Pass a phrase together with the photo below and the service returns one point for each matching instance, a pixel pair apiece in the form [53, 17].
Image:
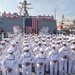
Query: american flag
[31, 25]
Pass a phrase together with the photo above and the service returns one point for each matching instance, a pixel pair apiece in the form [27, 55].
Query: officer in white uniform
[10, 63]
[64, 56]
[54, 59]
[26, 61]
[40, 61]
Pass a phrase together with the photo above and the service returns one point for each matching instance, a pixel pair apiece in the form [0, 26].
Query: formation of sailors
[53, 53]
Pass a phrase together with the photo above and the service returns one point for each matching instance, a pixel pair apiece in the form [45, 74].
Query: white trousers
[13, 72]
[40, 70]
[27, 70]
[53, 68]
[63, 67]
[70, 67]
[47, 66]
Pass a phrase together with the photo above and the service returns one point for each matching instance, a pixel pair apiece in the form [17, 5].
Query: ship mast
[23, 8]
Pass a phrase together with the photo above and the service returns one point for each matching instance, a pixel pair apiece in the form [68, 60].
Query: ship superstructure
[28, 23]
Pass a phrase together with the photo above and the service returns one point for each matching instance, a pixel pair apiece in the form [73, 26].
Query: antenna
[24, 9]
[55, 14]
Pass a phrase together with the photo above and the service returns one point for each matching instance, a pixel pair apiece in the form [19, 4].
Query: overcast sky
[42, 7]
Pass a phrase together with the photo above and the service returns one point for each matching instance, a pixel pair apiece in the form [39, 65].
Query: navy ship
[29, 24]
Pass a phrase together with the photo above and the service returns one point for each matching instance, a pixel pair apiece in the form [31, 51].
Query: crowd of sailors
[45, 53]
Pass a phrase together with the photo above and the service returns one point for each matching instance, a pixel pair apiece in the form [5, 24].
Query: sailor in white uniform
[40, 61]
[3, 46]
[1, 60]
[10, 63]
[26, 61]
[64, 56]
[2, 36]
[71, 68]
[54, 59]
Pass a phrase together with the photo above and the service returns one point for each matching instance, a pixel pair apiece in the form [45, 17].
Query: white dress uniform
[37, 49]
[58, 45]
[10, 64]
[47, 51]
[71, 68]
[3, 46]
[26, 60]
[54, 59]
[2, 36]
[64, 56]
[40, 61]
[1, 60]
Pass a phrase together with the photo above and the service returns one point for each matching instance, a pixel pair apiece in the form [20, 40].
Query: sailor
[37, 49]
[3, 46]
[2, 35]
[18, 51]
[63, 61]
[69, 43]
[54, 59]
[26, 61]
[46, 50]
[58, 45]
[6, 41]
[1, 60]
[10, 63]
[71, 68]
[40, 61]
[73, 42]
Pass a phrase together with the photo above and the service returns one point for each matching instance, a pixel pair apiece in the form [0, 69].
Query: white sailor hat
[58, 41]
[44, 43]
[26, 49]
[2, 41]
[41, 50]
[26, 44]
[63, 42]
[11, 36]
[72, 41]
[53, 42]
[39, 42]
[36, 39]
[6, 39]
[25, 38]
[25, 41]
[48, 36]
[68, 40]
[10, 50]
[13, 43]
[53, 45]
[72, 47]
[43, 38]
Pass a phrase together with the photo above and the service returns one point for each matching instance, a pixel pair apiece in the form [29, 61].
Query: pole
[55, 14]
